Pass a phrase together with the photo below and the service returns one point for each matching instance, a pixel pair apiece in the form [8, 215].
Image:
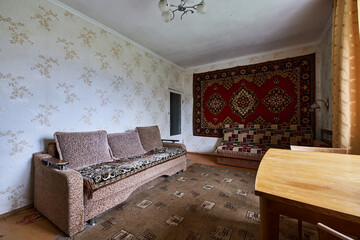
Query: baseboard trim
[15, 211]
[203, 154]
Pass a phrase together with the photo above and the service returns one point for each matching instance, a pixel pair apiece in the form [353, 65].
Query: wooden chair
[326, 233]
[315, 149]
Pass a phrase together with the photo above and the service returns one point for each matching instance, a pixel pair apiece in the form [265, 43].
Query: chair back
[326, 233]
[319, 149]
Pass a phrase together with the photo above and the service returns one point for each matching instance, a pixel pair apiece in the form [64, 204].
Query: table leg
[269, 221]
[300, 229]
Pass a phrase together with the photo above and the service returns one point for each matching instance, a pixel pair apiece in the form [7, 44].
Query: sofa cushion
[124, 145]
[83, 149]
[100, 175]
[150, 137]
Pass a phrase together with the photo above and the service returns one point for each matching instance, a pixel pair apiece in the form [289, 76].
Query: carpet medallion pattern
[204, 202]
[275, 92]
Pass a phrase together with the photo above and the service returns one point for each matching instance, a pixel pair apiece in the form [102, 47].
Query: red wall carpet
[276, 92]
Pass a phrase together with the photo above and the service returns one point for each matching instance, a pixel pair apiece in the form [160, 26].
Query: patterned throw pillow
[124, 145]
[83, 149]
[150, 137]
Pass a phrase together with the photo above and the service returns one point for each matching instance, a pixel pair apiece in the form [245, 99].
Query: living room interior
[79, 66]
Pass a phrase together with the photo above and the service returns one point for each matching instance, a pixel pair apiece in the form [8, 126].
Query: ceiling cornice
[311, 44]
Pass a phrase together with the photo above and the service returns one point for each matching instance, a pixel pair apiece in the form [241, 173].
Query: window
[175, 113]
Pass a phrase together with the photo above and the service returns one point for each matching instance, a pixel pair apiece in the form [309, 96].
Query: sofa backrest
[150, 137]
[271, 135]
[83, 149]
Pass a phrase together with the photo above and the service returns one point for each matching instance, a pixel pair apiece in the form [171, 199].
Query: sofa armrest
[52, 161]
[58, 195]
[176, 145]
[52, 150]
[170, 140]
[319, 143]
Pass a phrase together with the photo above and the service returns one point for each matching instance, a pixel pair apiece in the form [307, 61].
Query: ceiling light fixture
[168, 14]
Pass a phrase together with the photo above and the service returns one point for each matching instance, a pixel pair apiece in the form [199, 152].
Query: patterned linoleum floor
[27, 224]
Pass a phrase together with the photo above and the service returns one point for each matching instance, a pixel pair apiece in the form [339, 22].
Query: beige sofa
[61, 195]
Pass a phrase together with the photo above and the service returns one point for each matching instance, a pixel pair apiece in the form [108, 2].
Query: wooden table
[310, 186]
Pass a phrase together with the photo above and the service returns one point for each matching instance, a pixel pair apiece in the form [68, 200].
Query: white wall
[61, 72]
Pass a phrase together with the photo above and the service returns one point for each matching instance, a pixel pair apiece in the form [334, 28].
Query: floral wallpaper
[59, 72]
[325, 48]
[209, 144]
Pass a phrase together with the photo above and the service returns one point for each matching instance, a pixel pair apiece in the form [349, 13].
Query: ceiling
[230, 28]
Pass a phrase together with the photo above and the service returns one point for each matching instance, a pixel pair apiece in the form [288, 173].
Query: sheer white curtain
[346, 75]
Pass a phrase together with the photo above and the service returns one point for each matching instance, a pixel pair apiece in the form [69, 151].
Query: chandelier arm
[186, 12]
[183, 5]
[182, 15]
[193, 7]
[173, 13]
